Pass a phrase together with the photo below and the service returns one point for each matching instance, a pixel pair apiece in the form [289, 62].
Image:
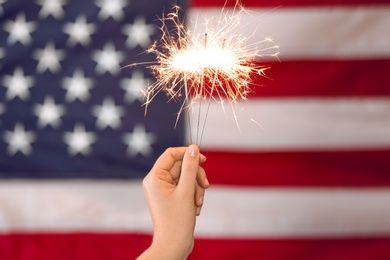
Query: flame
[215, 65]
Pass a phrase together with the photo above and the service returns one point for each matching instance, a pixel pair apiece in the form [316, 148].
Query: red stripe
[330, 168]
[302, 249]
[129, 246]
[283, 3]
[324, 78]
[72, 246]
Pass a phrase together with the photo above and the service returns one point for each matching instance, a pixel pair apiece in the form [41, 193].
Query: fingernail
[193, 151]
[207, 181]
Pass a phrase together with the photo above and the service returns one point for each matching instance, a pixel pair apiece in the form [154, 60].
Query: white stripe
[73, 205]
[234, 212]
[294, 124]
[310, 33]
[119, 206]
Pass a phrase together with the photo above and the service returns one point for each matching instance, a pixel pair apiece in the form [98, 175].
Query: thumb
[189, 170]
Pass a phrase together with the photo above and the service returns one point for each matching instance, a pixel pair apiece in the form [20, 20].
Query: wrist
[171, 248]
[165, 250]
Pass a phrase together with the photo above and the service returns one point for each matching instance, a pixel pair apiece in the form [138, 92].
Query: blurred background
[304, 175]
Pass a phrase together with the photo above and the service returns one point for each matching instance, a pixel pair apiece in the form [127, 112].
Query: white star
[49, 113]
[77, 86]
[139, 142]
[79, 141]
[111, 8]
[49, 58]
[139, 33]
[108, 114]
[108, 60]
[79, 32]
[52, 7]
[19, 30]
[19, 140]
[135, 86]
[18, 85]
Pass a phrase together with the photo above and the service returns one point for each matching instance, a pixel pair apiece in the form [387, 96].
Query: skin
[174, 190]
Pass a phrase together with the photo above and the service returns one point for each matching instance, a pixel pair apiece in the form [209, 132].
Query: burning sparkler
[214, 65]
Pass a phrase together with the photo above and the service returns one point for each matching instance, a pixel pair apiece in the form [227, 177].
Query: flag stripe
[308, 249]
[304, 212]
[78, 245]
[285, 3]
[66, 206]
[87, 206]
[128, 246]
[294, 124]
[324, 78]
[293, 169]
[338, 39]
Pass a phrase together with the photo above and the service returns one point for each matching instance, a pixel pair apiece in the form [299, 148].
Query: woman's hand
[174, 190]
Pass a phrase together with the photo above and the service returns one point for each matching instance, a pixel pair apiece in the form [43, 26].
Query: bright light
[216, 65]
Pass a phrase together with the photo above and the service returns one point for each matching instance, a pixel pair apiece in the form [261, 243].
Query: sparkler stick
[215, 65]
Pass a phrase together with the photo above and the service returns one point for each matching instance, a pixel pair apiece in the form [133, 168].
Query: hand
[174, 191]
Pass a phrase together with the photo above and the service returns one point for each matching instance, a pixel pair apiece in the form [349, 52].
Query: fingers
[172, 157]
[169, 158]
[189, 170]
[180, 166]
[202, 158]
[199, 197]
[200, 189]
[201, 178]
[183, 163]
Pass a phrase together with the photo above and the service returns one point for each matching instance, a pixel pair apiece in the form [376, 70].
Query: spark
[214, 65]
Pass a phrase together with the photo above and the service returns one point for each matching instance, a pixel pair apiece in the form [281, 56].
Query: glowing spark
[216, 64]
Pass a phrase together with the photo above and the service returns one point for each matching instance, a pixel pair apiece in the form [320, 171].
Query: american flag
[311, 183]
[70, 107]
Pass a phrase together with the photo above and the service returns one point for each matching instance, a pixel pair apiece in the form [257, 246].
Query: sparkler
[214, 65]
